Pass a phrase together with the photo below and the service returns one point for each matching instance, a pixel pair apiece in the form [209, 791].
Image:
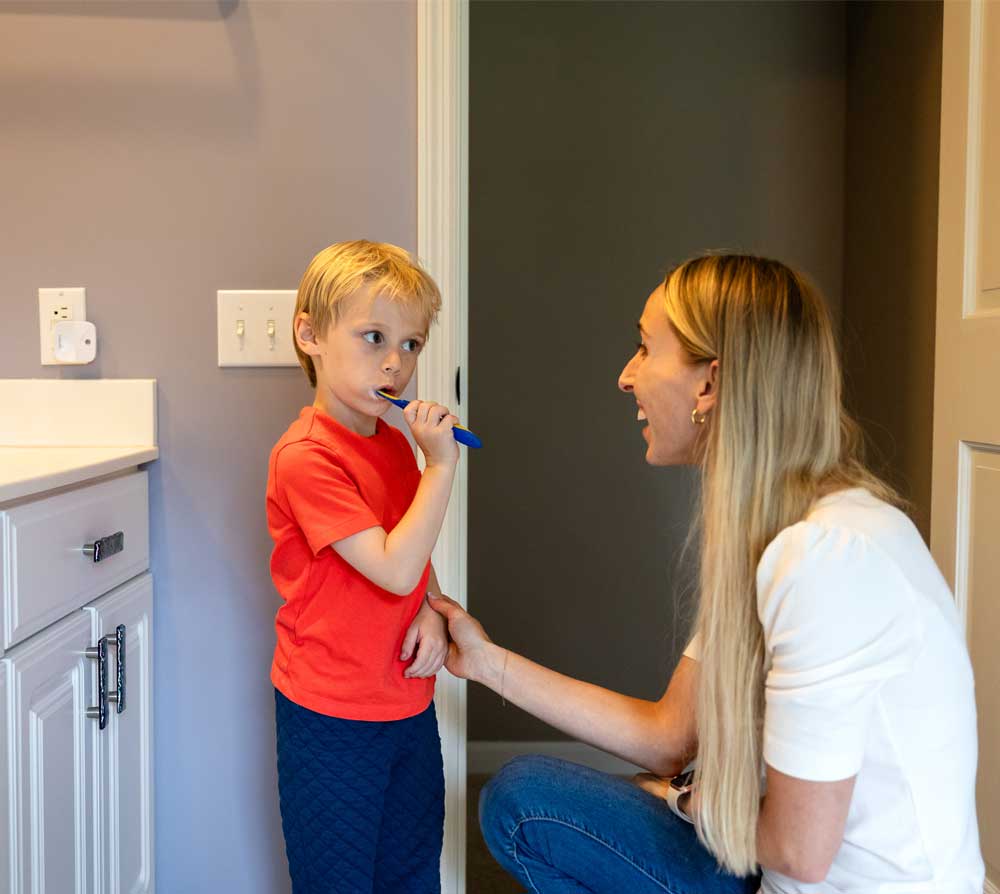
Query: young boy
[360, 776]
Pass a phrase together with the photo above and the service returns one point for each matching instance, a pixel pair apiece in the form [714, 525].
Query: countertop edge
[46, 481]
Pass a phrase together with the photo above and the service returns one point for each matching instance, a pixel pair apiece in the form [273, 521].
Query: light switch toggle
[241, 328]
[271, 333]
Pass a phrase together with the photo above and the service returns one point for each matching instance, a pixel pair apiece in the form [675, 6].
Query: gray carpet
[483, 874]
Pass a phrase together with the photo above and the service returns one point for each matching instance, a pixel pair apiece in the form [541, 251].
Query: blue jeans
[560, 828]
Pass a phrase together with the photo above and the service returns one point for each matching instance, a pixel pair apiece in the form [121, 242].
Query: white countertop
[59, 432]
[25, 471]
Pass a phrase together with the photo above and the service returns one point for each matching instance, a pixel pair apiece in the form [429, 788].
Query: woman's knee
[518, 789]
[506, 789]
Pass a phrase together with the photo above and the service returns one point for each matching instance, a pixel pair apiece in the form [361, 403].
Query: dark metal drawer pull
[105, 547]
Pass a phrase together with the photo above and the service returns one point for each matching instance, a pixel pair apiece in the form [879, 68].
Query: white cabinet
[76, 799]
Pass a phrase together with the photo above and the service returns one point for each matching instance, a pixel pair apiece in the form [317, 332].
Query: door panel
[53, 758]
[983, 613]
[988, 293]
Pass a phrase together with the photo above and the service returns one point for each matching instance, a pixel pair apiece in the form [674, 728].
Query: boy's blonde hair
[342, 269]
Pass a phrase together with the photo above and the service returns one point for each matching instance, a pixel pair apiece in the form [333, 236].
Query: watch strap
[673, 797]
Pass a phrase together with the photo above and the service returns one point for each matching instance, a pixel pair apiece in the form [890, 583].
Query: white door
[126, 746]
[52, 683]
[965, 512]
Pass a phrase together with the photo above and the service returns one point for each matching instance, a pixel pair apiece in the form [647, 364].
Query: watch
[679, 786]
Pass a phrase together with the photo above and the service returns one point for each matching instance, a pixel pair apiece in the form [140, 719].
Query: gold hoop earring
[696, 419]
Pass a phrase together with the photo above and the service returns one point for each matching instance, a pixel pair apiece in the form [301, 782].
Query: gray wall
[608, 140]
[890, 262]
[154, 153]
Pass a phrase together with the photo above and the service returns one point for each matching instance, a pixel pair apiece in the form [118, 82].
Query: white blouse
[867, 675]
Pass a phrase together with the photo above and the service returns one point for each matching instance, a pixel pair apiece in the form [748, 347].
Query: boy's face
[374, 345]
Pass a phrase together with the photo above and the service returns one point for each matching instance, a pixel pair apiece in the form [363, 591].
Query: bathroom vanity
[76, 638]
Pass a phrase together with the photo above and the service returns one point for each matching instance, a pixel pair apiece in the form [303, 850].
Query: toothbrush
[461, 433]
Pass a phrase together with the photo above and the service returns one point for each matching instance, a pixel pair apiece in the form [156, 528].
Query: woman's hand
[468, 651]
[660, 785]
[428, 636]
[650, 782]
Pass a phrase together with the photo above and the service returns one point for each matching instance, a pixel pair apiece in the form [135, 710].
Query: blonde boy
[353, 521]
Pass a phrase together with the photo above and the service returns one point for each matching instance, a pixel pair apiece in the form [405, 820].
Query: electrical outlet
[54, 306]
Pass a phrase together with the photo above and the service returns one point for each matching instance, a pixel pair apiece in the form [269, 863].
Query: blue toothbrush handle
[464, 436]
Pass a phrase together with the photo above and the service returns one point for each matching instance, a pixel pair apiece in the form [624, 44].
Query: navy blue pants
[362, 802]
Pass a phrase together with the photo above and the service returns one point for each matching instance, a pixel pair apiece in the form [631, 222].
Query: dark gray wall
[890, 262]
[608, 140]
[154, 153]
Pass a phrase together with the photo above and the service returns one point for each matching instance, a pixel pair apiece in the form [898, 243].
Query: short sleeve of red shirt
[322, 498]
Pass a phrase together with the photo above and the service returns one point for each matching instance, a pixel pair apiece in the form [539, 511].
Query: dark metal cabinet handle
[100, 711]
[105, 547]
[100, 654]
[118, 696]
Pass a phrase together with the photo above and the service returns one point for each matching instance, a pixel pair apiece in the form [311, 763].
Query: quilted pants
[362, 802]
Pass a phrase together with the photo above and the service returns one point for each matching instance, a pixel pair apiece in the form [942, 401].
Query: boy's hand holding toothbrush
[459, 431]
[432, 427]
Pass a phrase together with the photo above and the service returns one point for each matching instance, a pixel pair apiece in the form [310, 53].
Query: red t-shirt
[339, 635]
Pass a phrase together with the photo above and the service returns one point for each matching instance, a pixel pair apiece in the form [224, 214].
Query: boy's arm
[432, 583]
[428, 635]
[396, 561]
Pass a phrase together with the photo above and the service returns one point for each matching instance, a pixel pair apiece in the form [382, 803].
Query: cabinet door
[53, 759]
[126, 746]
[6, 804]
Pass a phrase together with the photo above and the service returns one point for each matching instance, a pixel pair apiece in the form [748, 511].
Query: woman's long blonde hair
[777, 439]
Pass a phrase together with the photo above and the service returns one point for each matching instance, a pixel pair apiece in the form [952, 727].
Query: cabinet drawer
[47, 574]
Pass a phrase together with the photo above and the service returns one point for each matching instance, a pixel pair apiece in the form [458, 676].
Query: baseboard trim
[488, 757]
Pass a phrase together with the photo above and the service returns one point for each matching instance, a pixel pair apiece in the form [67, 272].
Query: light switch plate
[54, 306]
[255, 327]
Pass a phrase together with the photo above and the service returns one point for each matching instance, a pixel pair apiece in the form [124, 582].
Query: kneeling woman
[827, 693]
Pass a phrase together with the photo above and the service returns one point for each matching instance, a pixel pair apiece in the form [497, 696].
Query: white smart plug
[74, 341]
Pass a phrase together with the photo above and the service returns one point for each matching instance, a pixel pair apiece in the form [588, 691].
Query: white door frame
[442, 245]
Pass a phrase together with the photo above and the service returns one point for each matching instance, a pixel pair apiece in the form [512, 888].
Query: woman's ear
[305, 335]
[709, 388]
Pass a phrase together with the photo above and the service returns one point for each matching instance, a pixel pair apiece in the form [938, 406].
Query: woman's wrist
[489, 668]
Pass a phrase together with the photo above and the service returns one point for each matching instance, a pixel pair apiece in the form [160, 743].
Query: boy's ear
[305, 335]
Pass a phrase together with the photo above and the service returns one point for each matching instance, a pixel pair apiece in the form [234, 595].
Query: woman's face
[667, 387]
